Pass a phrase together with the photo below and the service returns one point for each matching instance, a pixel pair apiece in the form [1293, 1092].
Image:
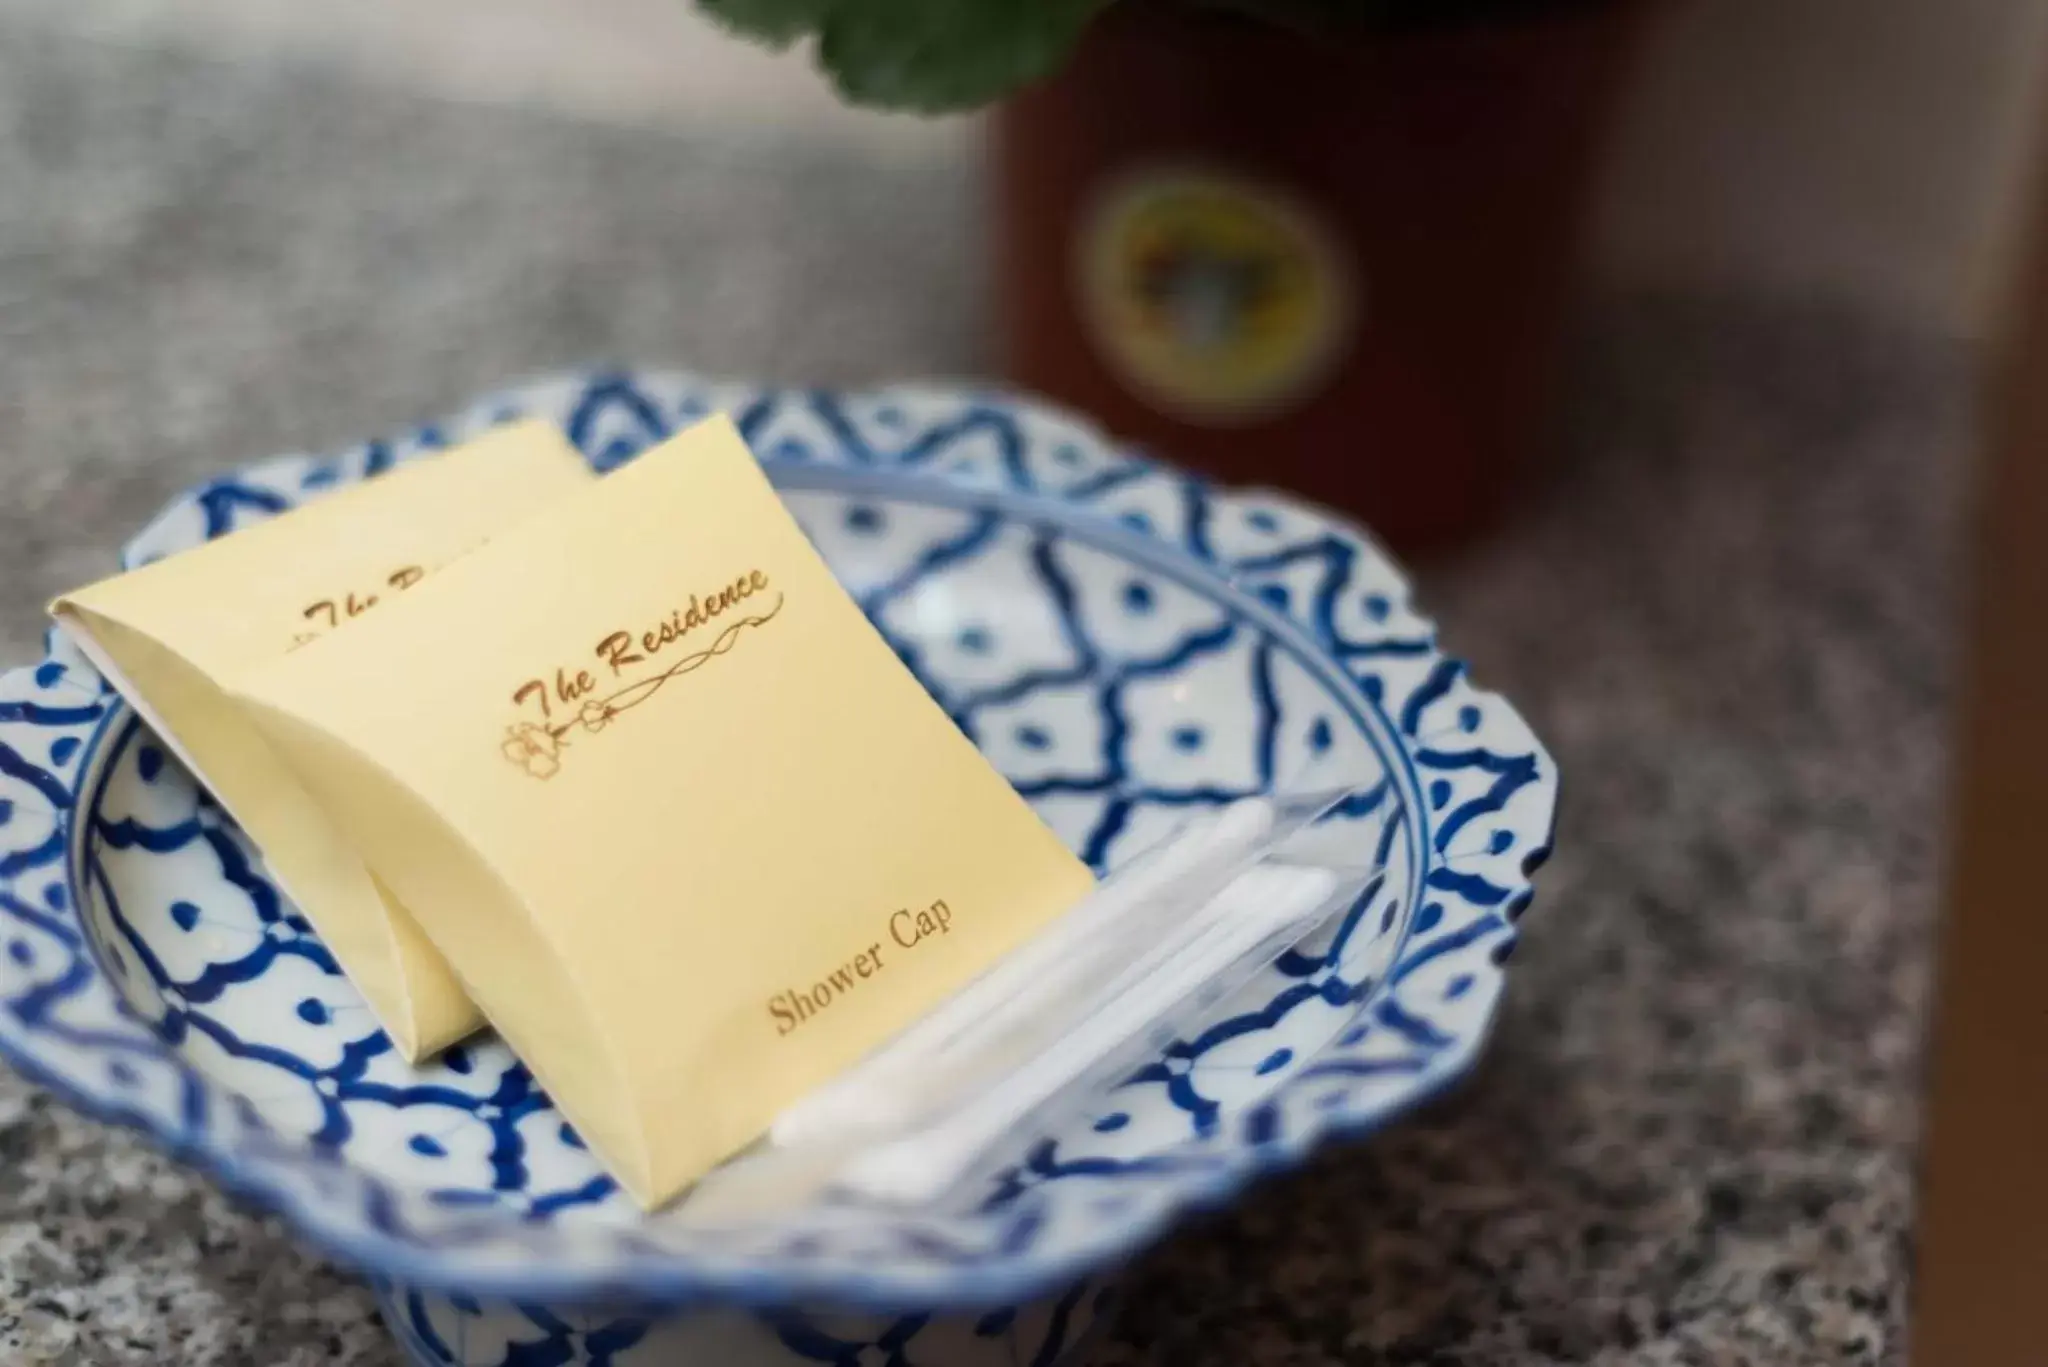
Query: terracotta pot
[1334, 267]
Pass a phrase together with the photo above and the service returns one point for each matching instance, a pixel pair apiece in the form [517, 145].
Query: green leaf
[930, 56]
[935, 56]
[777, 23]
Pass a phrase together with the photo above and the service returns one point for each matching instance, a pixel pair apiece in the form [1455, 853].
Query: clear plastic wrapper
[1258, 916]
[1036, 1041]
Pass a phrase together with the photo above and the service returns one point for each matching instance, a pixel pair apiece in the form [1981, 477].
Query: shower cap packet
[167, 635]
[686, 828]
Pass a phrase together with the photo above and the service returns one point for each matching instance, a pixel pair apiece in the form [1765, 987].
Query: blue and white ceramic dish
[1125, 642]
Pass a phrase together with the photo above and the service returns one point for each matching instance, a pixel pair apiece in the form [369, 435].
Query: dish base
[456, 1331]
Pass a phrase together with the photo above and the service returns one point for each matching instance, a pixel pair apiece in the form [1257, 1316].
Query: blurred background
[1860, 150]
[1724, 592]
[562, 183]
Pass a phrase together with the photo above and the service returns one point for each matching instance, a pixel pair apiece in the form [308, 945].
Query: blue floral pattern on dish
[1125, 642]
[456, 1331]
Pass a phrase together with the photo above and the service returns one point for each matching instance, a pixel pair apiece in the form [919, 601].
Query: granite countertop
[1726, 610]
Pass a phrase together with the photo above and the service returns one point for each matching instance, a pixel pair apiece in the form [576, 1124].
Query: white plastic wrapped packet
[1133, 920]
[1106, 986]
[1261, 913]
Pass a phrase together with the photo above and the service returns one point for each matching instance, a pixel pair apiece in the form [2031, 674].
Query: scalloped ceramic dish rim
[656, 1278]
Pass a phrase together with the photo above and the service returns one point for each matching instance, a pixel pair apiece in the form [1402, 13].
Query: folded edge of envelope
[378, 944]
[407, 984]
[666, 1062]
[481, 922]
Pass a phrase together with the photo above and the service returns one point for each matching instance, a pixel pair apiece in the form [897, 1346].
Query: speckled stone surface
[1692, 1142]
[1726, 610]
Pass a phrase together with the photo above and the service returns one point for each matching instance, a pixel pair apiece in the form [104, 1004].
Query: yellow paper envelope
[166, 635]
[687, 829]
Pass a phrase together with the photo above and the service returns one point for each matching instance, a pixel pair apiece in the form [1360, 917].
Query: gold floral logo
[632, 664]
[534, 747]
[329, 613]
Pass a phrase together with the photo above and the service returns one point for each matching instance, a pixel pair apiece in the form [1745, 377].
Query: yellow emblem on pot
[1216, 300]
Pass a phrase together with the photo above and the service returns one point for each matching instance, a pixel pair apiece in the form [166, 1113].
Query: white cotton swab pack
[1262, 912]
[876, 1094]
[956, 1104]
[1133, 919]
[1044, 1031]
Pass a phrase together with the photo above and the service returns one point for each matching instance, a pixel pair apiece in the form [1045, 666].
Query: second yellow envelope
[687, 828]
[167, 634]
